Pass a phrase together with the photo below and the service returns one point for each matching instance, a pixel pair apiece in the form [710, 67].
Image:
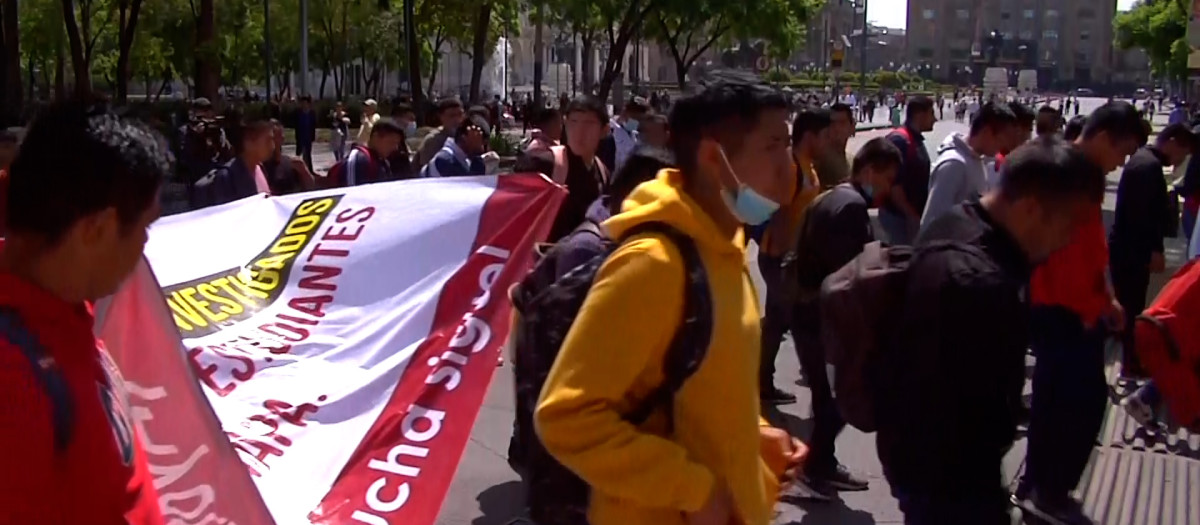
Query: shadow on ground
[823, 512]
[501, 504]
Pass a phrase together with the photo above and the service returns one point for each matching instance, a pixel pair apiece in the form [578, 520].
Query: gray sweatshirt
[958, 174]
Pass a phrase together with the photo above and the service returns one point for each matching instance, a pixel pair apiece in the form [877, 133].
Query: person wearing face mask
[620, 143]
[461, 156]
[400, 161]
[836, 226]
[718, 465]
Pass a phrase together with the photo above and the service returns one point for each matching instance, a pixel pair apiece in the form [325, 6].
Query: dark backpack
[859, 304]
[546, 310]
[47, 373]
[336, 176]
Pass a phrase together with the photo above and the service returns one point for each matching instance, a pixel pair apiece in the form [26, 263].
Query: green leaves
[1160, 29]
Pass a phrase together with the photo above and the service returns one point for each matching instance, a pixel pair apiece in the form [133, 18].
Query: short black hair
[7, 136]
[918, 104]
[448, 103]
[810, 119]
[305, 98]
[878, 154]
[725, 104]
[1047, 111]
[993, 116]
[201, 104]
[1050, 170]
[1074, 127]
[479, 111]
[386, 126]
[475, 122]
[249, 130]
[401, 108]
[1178, 132]
[643, 164]
[1119, 119]
[1025, 116]
[113, 162]
[637, 105]
[588, 104]
[843, 108]
[547, 115]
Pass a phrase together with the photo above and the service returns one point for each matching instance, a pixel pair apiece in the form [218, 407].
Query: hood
[663, 200]
[956, 141]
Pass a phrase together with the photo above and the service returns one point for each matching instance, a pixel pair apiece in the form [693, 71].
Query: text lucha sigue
[391, 490]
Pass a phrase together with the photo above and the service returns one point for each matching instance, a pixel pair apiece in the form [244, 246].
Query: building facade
[1069, 42]
[835, 19]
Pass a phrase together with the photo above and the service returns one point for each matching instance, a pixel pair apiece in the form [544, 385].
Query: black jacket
[1142, 216]
[836, 226]
[913, 175]
[950, 379]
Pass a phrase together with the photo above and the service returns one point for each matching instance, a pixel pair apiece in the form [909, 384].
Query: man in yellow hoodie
[810, 140]
[731, 145]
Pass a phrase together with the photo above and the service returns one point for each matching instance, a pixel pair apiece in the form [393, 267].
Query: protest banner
[344, 339]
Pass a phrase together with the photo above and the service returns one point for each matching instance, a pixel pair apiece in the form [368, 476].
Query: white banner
[344, 338]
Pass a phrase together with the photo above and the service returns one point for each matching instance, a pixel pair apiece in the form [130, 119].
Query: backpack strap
[690, 343]
[592, 227]
[911, 150]
[47, 372]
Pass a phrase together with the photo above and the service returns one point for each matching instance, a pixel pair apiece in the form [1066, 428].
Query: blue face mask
[631, 125]
[410, 129]
[748, 205]
[869, 191]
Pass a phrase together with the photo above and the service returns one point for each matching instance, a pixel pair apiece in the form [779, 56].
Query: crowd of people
[644, 364]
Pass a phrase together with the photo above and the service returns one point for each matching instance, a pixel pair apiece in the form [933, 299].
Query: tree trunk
[413, 46]
[478, 45]
[79, 62]
[433, 72]
[126, 29]
[587, 49]
[60, 73]
[10, 65]
[539, 53]
[208, 68]
[324, 78]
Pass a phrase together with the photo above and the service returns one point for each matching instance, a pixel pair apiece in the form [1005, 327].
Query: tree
[1158, 27]
[82, 35]
[126, 29]
[10, 64]
[208, 69]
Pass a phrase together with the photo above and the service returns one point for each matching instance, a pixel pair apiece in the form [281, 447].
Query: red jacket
[1075, 276]
[101, 478]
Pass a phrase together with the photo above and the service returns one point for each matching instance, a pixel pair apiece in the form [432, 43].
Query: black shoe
[842, 480]
[771, 395]
[1036, 511]
[817, 489]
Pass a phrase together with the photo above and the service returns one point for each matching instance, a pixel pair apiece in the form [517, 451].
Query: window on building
[925, 52]
[1051, 13]
[927, 14]
[1005, 15]
[1028, 14]
[1087, 12]
[963, 14]
[1085, 34]
[1050, 34]
[1026, 34]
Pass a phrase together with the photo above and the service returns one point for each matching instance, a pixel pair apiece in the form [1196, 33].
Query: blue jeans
[895, 226]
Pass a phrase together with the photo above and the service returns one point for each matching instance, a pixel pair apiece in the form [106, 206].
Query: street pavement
[486, 492]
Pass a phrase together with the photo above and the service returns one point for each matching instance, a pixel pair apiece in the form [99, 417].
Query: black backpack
[546, 310]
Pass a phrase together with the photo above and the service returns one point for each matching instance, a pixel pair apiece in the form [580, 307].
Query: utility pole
[862, 67]
[539, 50]
[267, 43]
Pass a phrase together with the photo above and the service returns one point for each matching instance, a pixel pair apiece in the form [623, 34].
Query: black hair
[843, 108]
[305, 98]
[1120, 120]
[1178, 132]
[1052, 171]
[878, 154]
[479, 111]
[643, 164]
[588, 104]
[993, 116]
[657, 118]
[637, 105]
[726, 104]
[448, 103]
[113, 162]
[545, 116]
[1025, 116]
[1055, 116]
[7, 137]
[475, 122]
[386, 126]
[201, 104]
[810, 120]
[249, 130]
[1074, 127]
[918, 104]
[401, 108]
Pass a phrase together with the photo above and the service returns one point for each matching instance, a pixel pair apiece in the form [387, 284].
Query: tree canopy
[1158, 27]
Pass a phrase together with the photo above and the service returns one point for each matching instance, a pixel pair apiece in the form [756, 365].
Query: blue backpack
[47, 372]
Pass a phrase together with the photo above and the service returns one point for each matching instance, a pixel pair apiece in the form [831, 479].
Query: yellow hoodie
[613, 357]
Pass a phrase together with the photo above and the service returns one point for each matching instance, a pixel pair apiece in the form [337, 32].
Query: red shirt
[102, 477]
[1074, 276]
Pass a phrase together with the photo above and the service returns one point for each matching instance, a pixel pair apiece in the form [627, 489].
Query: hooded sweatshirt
[958, 174]
[613, 356]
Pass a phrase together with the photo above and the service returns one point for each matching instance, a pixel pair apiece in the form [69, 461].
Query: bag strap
[47, 372]
[690, 342]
